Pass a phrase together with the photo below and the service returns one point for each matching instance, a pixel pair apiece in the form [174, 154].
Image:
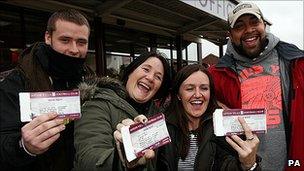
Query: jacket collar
[108, 89]
[285, 50]
[89, 87]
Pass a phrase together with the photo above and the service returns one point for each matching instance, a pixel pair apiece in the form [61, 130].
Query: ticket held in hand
[139, 137]
[65, 103]
[225, 122]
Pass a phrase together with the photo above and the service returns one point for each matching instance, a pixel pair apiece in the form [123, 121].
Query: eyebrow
[82, 39]
[190, 84]
[69, 37]
[148, 65]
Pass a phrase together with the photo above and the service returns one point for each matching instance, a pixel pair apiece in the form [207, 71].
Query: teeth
[197, 102]
[250, 39]
[144, 85]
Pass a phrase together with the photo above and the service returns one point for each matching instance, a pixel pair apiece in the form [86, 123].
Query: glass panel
[192, 52]
[116, 63]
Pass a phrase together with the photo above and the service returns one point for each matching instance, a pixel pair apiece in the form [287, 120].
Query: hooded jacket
[104, 106]
[29, 75]
[291, 63]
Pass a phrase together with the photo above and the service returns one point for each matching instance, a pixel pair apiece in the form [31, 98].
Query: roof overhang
[161, 17]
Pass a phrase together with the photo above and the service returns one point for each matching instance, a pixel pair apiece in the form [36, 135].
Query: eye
[158, 77]
[145, 69]
[255, 22]
[82, 42]
[64, 40]
[239, 26]
[204, 88]
[189, 89]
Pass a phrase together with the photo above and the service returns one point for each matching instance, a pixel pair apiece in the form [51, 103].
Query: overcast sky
[286, 18]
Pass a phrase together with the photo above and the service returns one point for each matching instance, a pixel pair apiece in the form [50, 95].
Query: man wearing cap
[260, 71]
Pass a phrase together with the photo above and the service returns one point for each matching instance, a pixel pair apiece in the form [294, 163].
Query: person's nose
[197, 93]
[249, 29]
[73, 50]
[150, 76]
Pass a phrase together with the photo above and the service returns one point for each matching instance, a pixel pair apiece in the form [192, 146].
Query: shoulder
[102, 98]
[106, 104]
[101, 87]
[4, 74]
[282, 44]
[12, 80]
[289, 51]
[173, 130]
[89, 72]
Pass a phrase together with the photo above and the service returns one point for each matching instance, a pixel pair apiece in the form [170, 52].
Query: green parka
[104, 106]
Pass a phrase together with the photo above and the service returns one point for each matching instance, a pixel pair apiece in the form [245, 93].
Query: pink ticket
[225, 122]
[65, 103]
[139, 137]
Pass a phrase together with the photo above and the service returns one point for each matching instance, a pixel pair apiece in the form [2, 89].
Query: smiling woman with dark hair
[163, 90]
[106, 102]
[190, 125]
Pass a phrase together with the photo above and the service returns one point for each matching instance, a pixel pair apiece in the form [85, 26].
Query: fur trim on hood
[89, 87]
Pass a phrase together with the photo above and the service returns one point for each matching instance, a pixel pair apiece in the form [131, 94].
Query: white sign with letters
[218, 8]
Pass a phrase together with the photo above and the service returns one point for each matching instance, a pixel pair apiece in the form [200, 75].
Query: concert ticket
[65, 103]
[139, 137]
[225, 122]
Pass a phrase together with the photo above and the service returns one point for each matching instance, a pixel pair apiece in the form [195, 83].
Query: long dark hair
[176, 107]
[162, 93]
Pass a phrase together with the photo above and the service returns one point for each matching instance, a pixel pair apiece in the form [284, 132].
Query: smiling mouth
[144, 87]
[250, 41]
[196, 102]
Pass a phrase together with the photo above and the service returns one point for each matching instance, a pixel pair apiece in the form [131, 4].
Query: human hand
[149, 154]
[247, 149]
[222, 105]
[39, 134]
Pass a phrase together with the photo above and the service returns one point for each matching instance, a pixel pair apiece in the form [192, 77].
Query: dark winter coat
[104, 106]
[30, 76]
[214, 153]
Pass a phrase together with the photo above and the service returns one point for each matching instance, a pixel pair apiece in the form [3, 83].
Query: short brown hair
[70, 15]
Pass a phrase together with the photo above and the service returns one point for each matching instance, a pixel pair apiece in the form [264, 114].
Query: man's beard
[249, 53]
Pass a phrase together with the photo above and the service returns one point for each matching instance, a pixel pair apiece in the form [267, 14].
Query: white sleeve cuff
[22, 144]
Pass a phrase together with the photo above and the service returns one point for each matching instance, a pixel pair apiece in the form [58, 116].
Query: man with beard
[45, 143]
[260, 71]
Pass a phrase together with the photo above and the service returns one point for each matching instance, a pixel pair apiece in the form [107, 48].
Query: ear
[229, 34]
[47, 38]
[179, 98]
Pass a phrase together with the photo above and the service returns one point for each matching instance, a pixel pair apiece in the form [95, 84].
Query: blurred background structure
[121, 29]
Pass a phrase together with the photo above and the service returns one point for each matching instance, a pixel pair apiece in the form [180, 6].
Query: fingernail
[66, 121]
[63, 127]
[53, 114]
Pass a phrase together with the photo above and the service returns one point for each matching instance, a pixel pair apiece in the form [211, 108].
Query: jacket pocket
[105, 155]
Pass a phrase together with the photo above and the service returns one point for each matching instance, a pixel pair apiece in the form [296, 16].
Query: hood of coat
[91, 86]
[271, 40]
